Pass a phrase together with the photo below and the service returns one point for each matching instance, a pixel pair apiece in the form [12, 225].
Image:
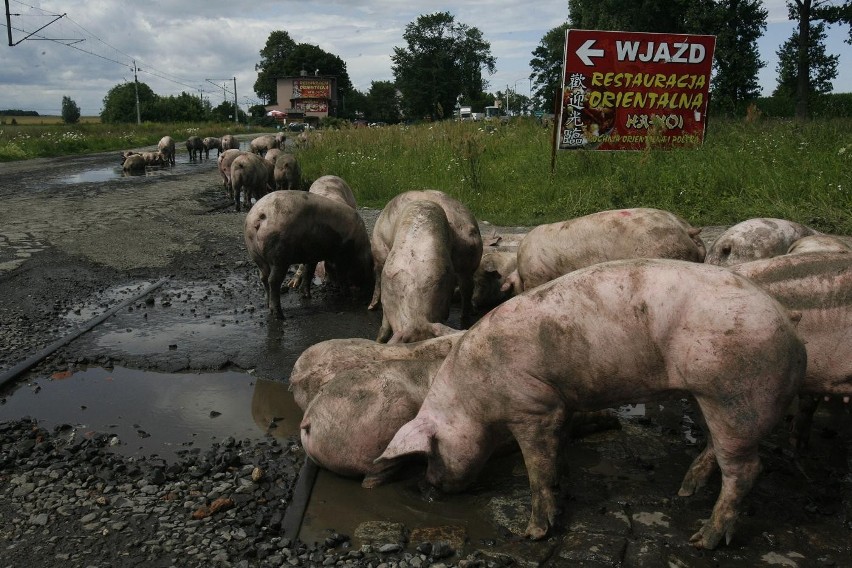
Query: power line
[150, 70]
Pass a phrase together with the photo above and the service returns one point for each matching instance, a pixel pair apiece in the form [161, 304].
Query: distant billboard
[312, 88]
[629, 90]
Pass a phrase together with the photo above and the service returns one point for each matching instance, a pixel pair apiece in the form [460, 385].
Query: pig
[288, 173]
[322, 361]
[549, 251]
[417, 277]
[818, 243]
[754, 239]
[209, 143]
[224, 161]
[616, 332]
[263, 143]
[280, 139]
[230, 142]
[818, 285]
[491, 276]
[354, 416]
[251, 173]
[132, 162]
[289, 227]
[194, 146]
[166, 146]
[332, 187]
[466, 246]
[271, 154]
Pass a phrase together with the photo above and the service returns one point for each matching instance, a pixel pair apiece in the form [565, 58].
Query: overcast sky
[180, 45]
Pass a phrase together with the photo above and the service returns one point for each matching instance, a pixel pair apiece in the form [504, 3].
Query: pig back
[549, 251]
[818, 286]
[628, 331]
[466, 240]
[334, 187]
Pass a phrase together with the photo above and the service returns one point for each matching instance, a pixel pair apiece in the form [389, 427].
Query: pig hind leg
[702, 466]
[275, 280]
[739, 463]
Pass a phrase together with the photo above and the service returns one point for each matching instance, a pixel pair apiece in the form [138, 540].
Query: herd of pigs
[617, 307]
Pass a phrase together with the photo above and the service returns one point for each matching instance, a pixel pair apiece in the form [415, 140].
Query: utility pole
[236, 106]
[136, 86]
[9, 24]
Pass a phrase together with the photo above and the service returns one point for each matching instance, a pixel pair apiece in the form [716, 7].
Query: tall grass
[774, 168]
[37, 140]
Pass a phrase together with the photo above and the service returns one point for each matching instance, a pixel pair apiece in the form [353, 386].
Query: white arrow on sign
[585, 52]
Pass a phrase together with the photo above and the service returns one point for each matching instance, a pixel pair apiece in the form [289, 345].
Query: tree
[822, 67]
[546, 66]
[273, 64]
[806, 13]
[282, 57]
[181, 108]
[667, 16]
[382, 103]
[70, 111]
[738, 24]
[120, 103]
[443, 60]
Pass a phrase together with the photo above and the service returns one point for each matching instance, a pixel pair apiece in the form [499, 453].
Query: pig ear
[415, 437]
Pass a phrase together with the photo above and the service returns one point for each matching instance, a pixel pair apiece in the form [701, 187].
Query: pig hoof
[706, 538]
[535, 532]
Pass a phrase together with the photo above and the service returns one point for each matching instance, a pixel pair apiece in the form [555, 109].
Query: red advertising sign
[312, 89]
[629, 90]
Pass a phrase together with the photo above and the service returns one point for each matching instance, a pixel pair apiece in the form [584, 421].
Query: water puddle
[157, 413]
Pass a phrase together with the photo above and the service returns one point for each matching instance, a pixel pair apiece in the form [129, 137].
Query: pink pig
[549, 251]
[617, 332]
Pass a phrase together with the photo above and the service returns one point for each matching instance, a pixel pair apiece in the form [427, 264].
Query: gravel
[72, 502]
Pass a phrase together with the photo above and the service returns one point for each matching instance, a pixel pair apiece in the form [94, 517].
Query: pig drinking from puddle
[754, 239]
[613, 333]
[465, 249]
[289, 227]
[549, 251]
[417, 278]
[819, 287]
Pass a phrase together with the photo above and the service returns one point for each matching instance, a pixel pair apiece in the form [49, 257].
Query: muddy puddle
[152, 413]
[100, 175]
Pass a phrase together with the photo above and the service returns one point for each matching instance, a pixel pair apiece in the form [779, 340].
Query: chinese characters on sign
[628, 90]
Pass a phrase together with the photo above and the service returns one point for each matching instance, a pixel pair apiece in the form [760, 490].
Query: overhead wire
[147, 69]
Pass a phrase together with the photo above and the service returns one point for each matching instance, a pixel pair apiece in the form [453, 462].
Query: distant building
[305, 98]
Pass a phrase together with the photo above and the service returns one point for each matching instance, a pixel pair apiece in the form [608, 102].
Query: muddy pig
[755, 239]
[332, 187]
[288, 173]
[466, 247]
[818, 243]
[253, 174]
[613, 333]
[819, 287]
[209, 143]
[194, 147]
[491, 276]
[549, 251]
[224, 162]
[230, 142]
[322, 361]
[263, 143]
[417, 278]
[290, 227]
[166, 147]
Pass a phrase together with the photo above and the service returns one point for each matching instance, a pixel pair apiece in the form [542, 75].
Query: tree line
[444, 63]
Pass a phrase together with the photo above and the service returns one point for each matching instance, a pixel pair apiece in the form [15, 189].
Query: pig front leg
[538, 439]
[376, 301]
[800, 429]
[385, 331]
[307, 279]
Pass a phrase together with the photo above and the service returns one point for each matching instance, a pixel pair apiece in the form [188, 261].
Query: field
[43, 120]
[770, 168]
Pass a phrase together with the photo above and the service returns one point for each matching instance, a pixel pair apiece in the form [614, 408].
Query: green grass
[773, 168]
[41, 140]
[800, 171]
